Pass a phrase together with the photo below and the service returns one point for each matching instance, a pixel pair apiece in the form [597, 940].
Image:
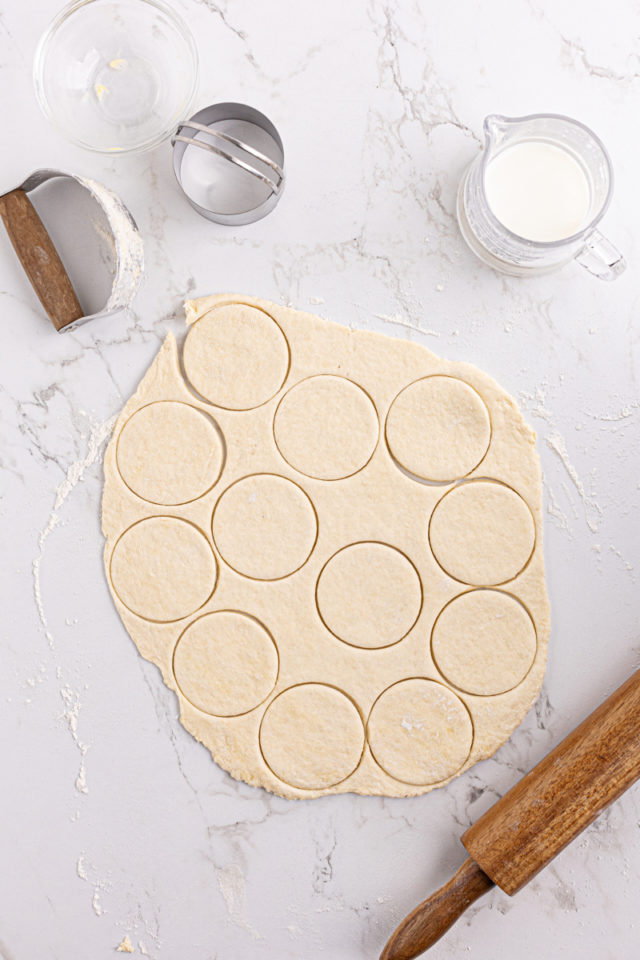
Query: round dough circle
[419, 731]
[163, 569]
[369, 595]
[236, 356]
[484, 642]
[225, 663]
[169, 453]
[312, 736]
[264, 526]
[482, 533]
[438, 428]
[326, 427]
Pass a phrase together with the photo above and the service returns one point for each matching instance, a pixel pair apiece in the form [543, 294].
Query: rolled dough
[330, 543]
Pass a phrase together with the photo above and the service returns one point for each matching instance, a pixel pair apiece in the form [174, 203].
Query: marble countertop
[116, 822]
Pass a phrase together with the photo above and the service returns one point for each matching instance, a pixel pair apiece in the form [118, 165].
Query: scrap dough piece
[312, 736]
[369, 595]
[419, 731]
[325, 605]
[484, 642]
[326, 427]
[438, 428]
[225, 663]
[163, 569]
[169, 453]
[236, 357]
[482, 533]
[264, 527]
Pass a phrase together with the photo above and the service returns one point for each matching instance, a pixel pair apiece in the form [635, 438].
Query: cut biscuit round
[326, 427]
[484, 642]
[482, 533]
[312, 736]
[264, 526]
[226, 663]
[169, 453]
[369, 595]
[419, 731]
[438, 428]
[236, 356]
[163, 569]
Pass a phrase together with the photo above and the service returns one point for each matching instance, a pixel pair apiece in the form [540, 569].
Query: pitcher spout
[495, 128]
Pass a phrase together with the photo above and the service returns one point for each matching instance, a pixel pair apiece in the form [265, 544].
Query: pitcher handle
[601, 258]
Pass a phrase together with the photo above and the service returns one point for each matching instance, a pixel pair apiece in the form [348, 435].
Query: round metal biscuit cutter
[237, 175]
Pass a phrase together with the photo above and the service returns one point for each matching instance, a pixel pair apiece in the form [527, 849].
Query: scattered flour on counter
[623, 414]
[37, 592]
[81, 868]
[592, 509]
[95, 903]
[558, 517]
[40, 676]
[75, 473]
[71, 700]
[99, 886]
[628, 566]
[400, 321]
[231, 885]
[535, 404]
[316, 300]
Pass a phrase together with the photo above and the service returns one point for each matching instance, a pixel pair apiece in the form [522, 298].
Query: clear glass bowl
[116, 76]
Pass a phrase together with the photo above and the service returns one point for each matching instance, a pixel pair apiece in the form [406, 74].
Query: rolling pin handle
[433, 917]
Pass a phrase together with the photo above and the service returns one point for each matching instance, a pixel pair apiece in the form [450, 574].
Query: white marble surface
[116, 822]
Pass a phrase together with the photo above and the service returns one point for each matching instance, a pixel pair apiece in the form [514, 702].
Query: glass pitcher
[510, 253]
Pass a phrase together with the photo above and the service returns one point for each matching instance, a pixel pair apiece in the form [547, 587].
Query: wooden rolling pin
[536, 819]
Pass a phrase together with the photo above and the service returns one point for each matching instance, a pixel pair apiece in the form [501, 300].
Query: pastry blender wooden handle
[39, 258]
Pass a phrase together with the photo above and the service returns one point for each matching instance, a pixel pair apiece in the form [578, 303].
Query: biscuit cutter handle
[538, 817]
[39, 258]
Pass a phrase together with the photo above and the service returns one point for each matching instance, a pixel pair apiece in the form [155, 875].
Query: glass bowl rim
[42, 51]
